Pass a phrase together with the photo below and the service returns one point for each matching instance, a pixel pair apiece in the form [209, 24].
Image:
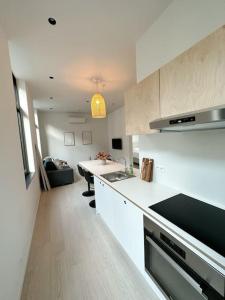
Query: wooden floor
[74, 255]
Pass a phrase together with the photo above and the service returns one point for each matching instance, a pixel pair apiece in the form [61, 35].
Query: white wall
[52, 128]
[18, 205]
[53, 125]
[181, 25]
[194, 163]
[116, 129]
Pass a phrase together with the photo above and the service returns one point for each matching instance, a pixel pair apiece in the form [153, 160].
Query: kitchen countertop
[97, 168]
[144, 194]
[141, 193]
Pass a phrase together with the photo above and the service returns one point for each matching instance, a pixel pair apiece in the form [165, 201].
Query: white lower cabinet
[124, 219]
[129, 229]
[104, 202]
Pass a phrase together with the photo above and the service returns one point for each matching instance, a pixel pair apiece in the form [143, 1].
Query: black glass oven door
[173, 280]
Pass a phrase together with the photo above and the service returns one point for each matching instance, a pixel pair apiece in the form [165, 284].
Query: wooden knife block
[147, 169]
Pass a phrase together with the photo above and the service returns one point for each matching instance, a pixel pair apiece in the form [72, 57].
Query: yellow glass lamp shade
[98, 108]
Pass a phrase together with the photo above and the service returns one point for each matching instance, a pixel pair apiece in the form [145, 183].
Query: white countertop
[97, 168]
[141, 193]
[144, 194]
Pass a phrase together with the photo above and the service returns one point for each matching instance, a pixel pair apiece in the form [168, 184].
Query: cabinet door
[135, 234]
[98, 195]
[104, 198]
[108, 199]
[195, 79]
[120, 220]
[142, 105]
[129, 229]
[124, 219]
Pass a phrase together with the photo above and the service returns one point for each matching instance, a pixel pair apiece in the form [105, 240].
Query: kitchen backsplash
[191, 162]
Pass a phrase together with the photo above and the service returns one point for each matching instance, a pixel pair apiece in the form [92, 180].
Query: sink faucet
[125, 163]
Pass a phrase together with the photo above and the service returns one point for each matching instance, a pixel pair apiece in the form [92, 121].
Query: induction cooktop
[203, 221]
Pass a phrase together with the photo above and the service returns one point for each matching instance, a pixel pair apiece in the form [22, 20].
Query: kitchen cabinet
[195, 79]
[98, 195]
[123, 218]
[129, 229]
[142, 105]
[104, 199]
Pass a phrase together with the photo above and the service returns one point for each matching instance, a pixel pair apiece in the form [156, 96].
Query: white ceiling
[91, 38]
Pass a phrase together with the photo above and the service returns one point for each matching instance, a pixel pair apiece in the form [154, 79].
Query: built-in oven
[180, 273]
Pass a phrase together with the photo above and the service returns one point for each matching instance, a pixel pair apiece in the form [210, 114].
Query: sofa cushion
[60, 164]
[50, 166]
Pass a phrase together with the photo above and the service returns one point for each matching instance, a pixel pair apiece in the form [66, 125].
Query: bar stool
[90, 180]
[89, 192]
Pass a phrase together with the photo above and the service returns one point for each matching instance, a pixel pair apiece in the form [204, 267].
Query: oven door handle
[185, 275]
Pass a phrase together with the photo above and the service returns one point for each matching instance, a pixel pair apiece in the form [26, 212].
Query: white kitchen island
[122, 205]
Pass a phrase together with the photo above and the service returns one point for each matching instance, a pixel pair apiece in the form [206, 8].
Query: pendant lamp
[98, 107]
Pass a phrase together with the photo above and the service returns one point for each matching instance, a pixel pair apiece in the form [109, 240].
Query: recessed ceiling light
[51, 77]
[52, 21]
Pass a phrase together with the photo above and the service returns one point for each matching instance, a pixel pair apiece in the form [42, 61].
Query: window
[21, 129]
[24, 127]
[37, 132]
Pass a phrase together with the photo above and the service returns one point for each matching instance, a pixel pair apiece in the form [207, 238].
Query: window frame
[37, 130]
[20, 118]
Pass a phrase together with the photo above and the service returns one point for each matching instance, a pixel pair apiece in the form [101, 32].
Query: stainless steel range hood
[201, 120]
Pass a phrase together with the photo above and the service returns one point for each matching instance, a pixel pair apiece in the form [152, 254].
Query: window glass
[24, 127]
[37, 131]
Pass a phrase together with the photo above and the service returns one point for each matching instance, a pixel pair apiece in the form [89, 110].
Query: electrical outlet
[160, 169]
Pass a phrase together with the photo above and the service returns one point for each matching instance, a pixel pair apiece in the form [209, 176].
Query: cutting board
[147, 169]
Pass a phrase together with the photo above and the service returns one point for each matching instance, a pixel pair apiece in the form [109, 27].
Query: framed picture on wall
[87, 137]
[69, 139]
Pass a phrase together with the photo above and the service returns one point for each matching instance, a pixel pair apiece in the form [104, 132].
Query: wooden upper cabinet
[196, 79]
[142, 105]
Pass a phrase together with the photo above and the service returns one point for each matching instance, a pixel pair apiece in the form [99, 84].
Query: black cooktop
[201, 220]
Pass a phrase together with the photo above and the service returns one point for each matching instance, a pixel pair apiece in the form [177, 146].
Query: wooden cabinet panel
[142, 105]
[196, 79]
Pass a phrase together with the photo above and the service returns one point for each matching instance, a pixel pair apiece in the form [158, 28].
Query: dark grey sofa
[58, 177]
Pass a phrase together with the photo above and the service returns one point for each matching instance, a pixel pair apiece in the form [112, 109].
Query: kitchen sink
[117, 176]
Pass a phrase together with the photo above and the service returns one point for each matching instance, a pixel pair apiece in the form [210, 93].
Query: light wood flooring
[74, 255]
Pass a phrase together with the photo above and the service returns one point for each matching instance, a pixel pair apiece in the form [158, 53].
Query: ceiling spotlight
[51, 77]
[52, 21]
